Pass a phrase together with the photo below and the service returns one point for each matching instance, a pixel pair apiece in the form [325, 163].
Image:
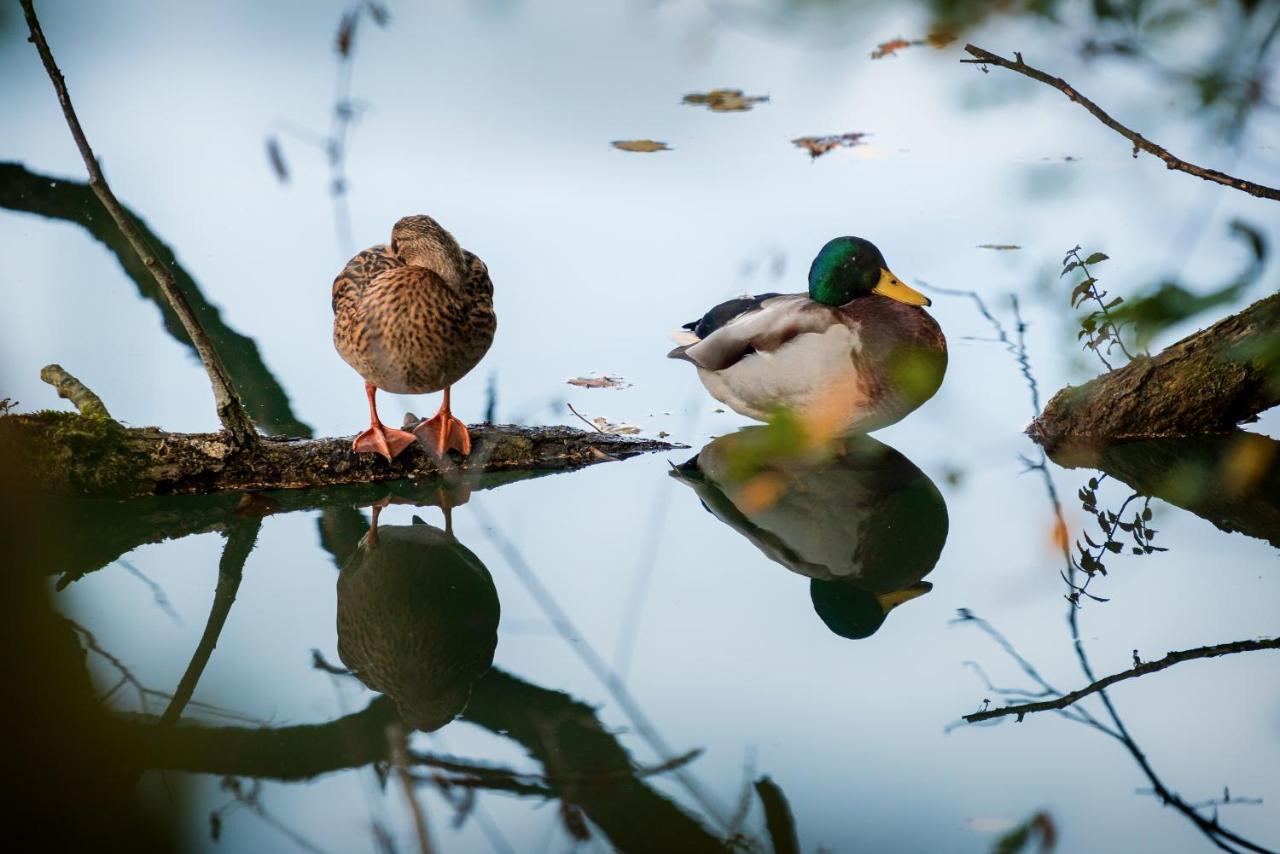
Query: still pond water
[630, 621]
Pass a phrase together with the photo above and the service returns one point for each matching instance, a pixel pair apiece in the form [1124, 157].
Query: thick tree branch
[1023, 709]
[69, 454]
[985, 57]
[230, 412]
[1207, 383]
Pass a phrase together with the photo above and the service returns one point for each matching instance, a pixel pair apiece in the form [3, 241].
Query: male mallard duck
[417, 620]
[413, 316]
[865, 524]
[854, 354]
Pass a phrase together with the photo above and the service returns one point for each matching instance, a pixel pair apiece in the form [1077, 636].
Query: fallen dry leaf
[1003, 247]
[725, 100]
[604, 426]
[889, 48]
[599, 382]
[820, 145]
[643, 145]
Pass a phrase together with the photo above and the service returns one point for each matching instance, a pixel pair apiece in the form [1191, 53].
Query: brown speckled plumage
[417, 620]
[418, 319]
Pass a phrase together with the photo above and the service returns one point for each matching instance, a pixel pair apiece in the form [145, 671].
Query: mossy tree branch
[1207, 383]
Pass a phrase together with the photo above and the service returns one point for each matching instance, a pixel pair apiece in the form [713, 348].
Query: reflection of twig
[230, 412]
[240, 541]
[560, 620]
[157, 592]
[1220, 836]
[252, 800]
[396, 740]
[1140, 142]
[1141, 670]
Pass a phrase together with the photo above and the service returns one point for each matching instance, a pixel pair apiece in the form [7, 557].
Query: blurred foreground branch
[1207, 383]
[230, 412]
[1140, 143]
[1023, 709]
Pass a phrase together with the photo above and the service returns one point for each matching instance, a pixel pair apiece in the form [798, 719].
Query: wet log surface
[1207, 383]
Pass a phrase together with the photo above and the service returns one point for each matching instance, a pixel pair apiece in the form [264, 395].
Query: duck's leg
[379, 438]
[442, 431]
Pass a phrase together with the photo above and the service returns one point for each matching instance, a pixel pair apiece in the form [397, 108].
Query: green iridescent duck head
[847, 268]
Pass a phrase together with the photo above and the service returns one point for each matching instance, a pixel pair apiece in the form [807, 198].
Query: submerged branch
[230, 412]
[1143, 669]
[1140, 143]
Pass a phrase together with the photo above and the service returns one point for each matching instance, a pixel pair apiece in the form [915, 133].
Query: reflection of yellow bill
[891, 286]
[889, 601]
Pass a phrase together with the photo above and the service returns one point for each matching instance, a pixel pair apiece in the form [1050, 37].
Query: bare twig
[985, 57]
[397, 740]
[1141, 670]
[230, 411]
[70, 388]
[583, 419]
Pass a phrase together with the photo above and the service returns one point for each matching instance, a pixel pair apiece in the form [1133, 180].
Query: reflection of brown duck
[417, 620]
[865, 525]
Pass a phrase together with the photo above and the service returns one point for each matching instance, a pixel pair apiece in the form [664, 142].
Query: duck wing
[351, 283]
[735, 329]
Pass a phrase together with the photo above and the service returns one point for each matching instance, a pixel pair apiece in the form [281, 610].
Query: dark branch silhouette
[230, 411]
[985, 57]
[75, 202]
[1143, 669]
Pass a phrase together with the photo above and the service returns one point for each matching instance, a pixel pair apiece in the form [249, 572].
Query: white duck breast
[789, 353]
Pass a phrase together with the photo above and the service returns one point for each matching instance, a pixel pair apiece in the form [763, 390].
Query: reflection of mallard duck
[865, 525]
[417, 620]
[413, 316]
[856, 353]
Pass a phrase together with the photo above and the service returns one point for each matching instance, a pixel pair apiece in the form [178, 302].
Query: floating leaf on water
[275, 155]
[605, 426]
[724, 100]
[599, 382]
[820, 145]
[642, 145]
[1002, 247]
[892, 46]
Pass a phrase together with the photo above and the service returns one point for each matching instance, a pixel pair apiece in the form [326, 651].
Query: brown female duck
[413, 316]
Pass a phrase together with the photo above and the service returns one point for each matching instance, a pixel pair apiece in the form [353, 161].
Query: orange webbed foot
[381, 439]
[443, 432]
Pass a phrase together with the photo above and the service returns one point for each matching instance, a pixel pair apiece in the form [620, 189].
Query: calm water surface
[628, 617]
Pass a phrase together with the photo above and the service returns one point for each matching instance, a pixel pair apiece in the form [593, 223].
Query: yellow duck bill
[892, 287]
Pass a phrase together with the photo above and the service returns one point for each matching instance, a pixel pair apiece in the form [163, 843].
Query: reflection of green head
[854, 613]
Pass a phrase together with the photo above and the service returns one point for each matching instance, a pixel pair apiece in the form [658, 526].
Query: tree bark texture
[1207, 383]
